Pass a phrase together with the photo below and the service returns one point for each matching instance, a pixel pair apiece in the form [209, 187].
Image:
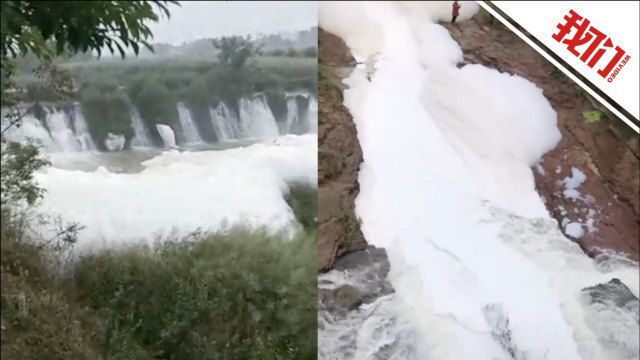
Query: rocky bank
[339, 157]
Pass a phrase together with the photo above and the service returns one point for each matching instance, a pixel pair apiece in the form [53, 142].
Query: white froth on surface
[574, 229]
[447, 188]
[183, 191]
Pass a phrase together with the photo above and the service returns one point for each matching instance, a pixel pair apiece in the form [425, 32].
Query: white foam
[574, 229]
[183, 191]
[168, 135]
[114, 142]
[447, 188]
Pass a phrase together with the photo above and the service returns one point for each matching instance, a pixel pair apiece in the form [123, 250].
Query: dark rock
[347, 297]
[612, 293]
[364, 279]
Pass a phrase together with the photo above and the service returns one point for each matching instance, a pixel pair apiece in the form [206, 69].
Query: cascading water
[59, 126]
[189, 128]
[256, 119]
[64, 130]
[479, 268]
[167, 135]
[225, 123]
[301, 120]
[312, 115]
[82, 129]
[142, 138]
[29, 129]
[293, 114]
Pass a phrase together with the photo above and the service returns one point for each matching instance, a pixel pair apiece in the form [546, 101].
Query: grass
[242, 294]
[303, 200]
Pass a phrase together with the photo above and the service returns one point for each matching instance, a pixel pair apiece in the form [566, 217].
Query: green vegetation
[304, 202]
[70, 27]
[311, 52]
[99, 97]
[19, 163]
[154, 100]
[241, 295]
[186, 79]
[156, 86]
[592, 116]
[235, 51]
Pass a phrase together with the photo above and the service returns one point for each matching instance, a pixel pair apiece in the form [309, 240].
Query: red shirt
[454, 11]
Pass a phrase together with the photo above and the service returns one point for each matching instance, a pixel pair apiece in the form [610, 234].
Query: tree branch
[17, 120]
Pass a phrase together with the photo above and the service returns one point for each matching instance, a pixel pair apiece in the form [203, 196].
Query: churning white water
[293, 113]
[82, 130]
[179, 192]
[29, 129]
[480, 269]
[256, 118]
[114, 142]
[59, 126]
[312, 115]
[189, 128]
[62, 130]
[141, 138]
[225, 123]
[167, 135]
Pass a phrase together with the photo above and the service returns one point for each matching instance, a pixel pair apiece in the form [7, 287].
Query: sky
[195, 20]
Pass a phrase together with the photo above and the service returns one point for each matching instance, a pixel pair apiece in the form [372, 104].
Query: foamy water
[183, 191]
[480, 269]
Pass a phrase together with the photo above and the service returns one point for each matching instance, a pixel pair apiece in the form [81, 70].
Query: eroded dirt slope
[339, 157]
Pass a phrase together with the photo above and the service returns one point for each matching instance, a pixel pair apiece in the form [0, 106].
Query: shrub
[38, 318]
[156, 103]
[106, 109]
[241, 295]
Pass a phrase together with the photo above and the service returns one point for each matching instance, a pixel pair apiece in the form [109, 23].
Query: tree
[235, 50]
[46, 29]
[277, 52]
[76, 26]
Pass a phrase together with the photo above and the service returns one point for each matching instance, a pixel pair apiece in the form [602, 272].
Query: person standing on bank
[455, 11]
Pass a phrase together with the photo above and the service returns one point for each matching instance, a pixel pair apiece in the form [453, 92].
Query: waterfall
[293, 114]
[29, 129]
[312, 115]
[256, 118]
[65, 129]
[59, 126]
[301, 120]
[167, 135]
[225, 123]
[142, 138]
[82, 129]
[189, 128]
